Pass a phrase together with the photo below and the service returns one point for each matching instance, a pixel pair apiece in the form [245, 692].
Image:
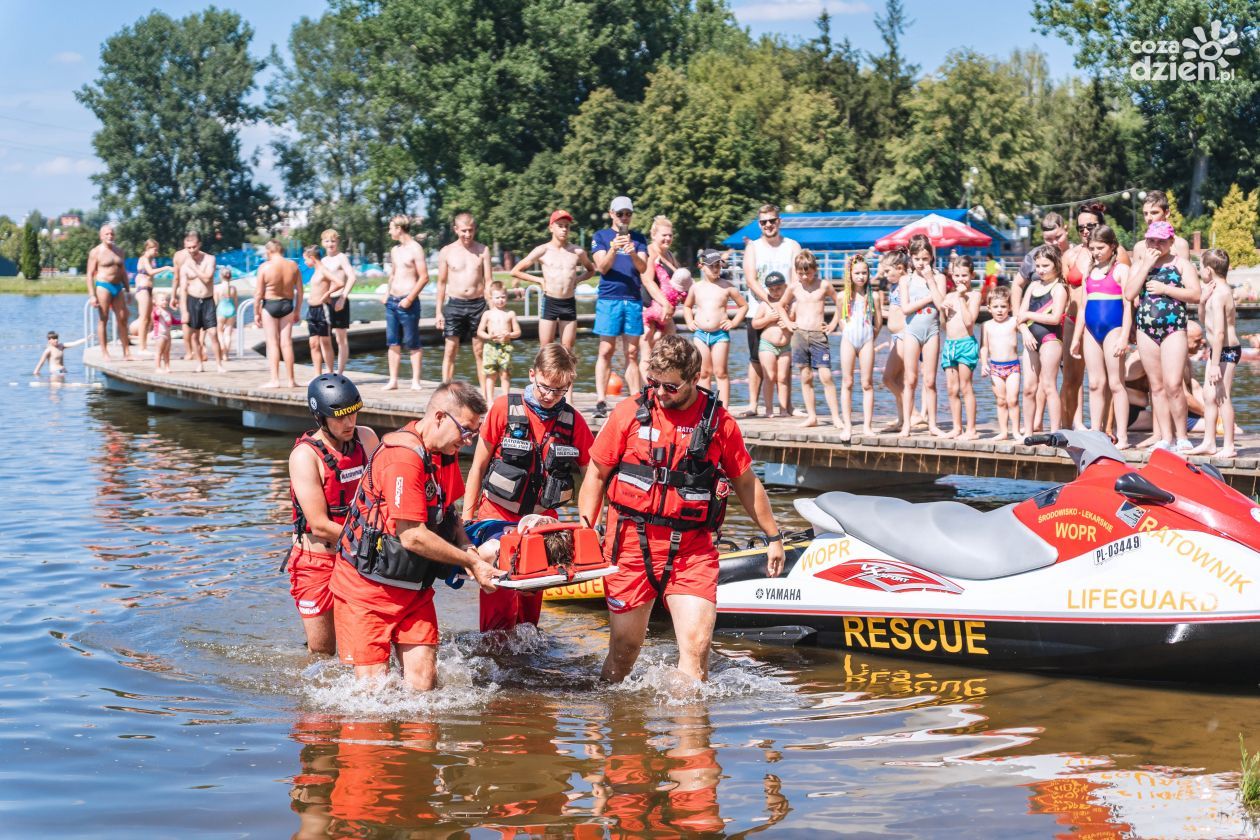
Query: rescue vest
[680, 489]
[342, 472]
[525, 474]
[379, 555]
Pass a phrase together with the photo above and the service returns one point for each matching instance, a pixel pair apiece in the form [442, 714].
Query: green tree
[330, 126]
[1083, 148]
[1233, 226]
[593, 166]
[971, 116]
[171, 99]
[1195, 121]
[73, 248]
[10, 240]
[30, 260]
[891, 83]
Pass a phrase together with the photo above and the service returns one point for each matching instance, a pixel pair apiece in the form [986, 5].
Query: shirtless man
[277, 300]
[408, 275]
[463, 277]
[196, 301]
[559, 261]
[107, 290]
[318, 311]
[177, 264]
[341, 273]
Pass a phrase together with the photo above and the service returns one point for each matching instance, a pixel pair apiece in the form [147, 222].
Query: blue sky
[51, 50]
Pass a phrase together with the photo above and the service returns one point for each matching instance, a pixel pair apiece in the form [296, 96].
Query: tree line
[510, 108]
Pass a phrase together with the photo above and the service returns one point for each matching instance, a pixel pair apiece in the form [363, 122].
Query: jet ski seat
[948, 538]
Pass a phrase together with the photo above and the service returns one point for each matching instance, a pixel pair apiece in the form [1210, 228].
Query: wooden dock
[813, 458]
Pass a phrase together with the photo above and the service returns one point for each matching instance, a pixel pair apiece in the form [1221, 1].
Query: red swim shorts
[364, 634]
[628, 587]
[309, 573]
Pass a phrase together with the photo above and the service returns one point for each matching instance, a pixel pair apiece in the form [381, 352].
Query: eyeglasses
[465, 434]
[767, 222]
[547, 389]
[669, 387]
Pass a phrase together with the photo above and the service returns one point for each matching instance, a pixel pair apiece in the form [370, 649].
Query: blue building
[833, 235]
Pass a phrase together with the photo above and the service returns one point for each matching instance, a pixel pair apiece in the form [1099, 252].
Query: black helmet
[332, 395]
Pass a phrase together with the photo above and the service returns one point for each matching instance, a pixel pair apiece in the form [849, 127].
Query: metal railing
[247, 305]
[536, 291]
[89, 326]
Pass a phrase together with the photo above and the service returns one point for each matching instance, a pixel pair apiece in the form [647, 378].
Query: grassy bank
[43, 286]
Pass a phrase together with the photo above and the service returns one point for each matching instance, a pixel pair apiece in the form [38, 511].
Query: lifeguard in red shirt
[324, 471]
[668, 460]
[530, 445]
[402, 533]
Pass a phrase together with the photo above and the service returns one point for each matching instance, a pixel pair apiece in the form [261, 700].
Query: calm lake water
[154, 684]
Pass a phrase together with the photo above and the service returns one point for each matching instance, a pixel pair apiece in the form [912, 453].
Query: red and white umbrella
[943, 232]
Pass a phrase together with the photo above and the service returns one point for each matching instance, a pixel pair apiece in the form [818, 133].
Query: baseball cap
[620, 203]
[711, 256]
[775, 278]
[1160, 230]
[558, 215]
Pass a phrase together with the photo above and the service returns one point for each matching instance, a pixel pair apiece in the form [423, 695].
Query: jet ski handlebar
[1083, 447]
[1055, 439]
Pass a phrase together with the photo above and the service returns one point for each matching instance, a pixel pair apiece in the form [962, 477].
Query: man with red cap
[560, 261]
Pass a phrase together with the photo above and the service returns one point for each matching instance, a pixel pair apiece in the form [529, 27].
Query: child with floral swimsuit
[862, 317]
[999, 360]
[1163, 283]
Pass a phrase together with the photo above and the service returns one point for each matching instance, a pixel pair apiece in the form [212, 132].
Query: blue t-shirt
[622, 281]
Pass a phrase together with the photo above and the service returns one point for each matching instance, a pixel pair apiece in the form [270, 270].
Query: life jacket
[379, 555]
[342, 472]
[658, 485]
[525, 474]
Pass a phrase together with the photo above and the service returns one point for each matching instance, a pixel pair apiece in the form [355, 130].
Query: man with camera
[620, 257]
[669, 460]
[530, 445]
[402, 533]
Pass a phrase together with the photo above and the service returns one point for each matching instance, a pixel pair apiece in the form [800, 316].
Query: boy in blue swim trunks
[706, 310]
[960, 355]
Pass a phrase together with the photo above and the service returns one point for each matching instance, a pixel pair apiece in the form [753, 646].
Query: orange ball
[615, 385]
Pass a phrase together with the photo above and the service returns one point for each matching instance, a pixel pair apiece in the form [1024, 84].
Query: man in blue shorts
[620, 257]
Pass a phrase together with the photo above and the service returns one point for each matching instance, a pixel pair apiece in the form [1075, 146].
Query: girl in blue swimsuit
[146, 267]
[1104, 332]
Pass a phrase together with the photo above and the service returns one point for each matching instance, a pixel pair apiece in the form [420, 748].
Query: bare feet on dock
[391, 385]
[867, 430]
[1227, 453]
[291, 384]
[935, 430]
[894, 426]
[199, 368]
[809, 422]
[972, 435]
[952, 433]
[415, 386]
[271, 384]
[1003, 436]
[222, 369]
[1122, 445]
[1204, 448]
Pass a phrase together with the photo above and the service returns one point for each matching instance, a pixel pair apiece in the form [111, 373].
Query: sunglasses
[669, 387]
[465, 434]
[1085, 227]
[767, 222]
[624, 214]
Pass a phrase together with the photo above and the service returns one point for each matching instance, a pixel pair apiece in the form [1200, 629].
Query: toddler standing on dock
[1224, 352]
[810, 347]
[498, 328]
[705, 310]
[772, 346]
[999, 360]
[163, 321]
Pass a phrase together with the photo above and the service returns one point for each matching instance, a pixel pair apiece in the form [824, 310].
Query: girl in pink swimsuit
[674, 281]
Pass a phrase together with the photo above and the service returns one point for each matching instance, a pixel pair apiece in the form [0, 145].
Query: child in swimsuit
[498, 328]
[772, 346]
[1224, 352]
[705, 310]
[921, 344]
[146, 267]
[1104, 332]
[1163, 283]
[961, 354]
[163, 320]
[1041, 325]
[893, 267]
[811, 348]
[999, 360]
[226, 309]
[862, 317]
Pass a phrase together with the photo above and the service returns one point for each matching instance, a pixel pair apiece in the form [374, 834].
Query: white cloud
[786, 10]
[15, 167]
[68, 57]
[63, 165]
